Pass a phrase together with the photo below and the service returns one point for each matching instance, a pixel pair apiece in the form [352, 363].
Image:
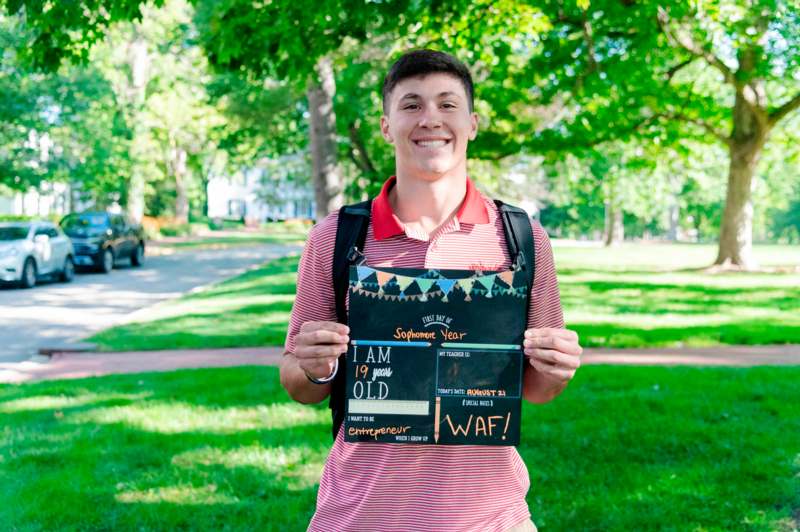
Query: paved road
[54, 313]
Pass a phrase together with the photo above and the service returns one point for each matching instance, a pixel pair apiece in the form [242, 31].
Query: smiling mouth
[432, 143]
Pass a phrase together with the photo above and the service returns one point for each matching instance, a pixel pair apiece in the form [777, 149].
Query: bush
[156, 227]
[152, 227]
[176, 230]
[55, 218]
[217, 224]
[15, 218]
[291, 225]
[298, 224]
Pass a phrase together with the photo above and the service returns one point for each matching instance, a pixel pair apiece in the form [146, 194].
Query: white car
[30, 251]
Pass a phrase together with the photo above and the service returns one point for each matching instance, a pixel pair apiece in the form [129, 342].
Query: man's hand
[318, 345]
[555, 353]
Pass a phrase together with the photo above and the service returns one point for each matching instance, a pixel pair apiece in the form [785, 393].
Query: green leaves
[67, 30]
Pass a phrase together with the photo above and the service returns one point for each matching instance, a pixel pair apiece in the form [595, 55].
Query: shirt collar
[386, 224]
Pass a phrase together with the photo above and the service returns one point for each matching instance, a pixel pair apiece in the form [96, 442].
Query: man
[429, 215]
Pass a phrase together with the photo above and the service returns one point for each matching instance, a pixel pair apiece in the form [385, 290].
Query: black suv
[100, 238]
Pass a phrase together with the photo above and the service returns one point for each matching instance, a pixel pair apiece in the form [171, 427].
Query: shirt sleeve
[545, 303]
[314, 299]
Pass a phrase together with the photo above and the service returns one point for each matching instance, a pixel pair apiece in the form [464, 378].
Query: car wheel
[137, 258]
[107, 261]
[68, 271]
[28, 274]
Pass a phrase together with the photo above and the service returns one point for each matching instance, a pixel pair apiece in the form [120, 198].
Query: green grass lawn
[640, 295]
[633, 296]
[249, 310]
[271, 233]
[225, 449]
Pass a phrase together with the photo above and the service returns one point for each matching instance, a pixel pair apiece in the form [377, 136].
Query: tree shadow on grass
[263, 278]
[743, 332]
[242, 327]
[116, 474]
[696, 448]
[703, 271]
[692, 289]
[622, 448]
[661, 298]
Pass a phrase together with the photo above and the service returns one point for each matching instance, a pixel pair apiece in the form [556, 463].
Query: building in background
[255, 198]
[52, 199]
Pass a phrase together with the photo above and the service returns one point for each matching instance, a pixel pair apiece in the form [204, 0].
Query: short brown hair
[421, 62]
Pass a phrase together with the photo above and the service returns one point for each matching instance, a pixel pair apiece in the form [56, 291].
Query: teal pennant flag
[487, 281]
[424, 284]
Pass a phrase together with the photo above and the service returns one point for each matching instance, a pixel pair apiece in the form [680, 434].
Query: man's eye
[449, 105]
[410, 106]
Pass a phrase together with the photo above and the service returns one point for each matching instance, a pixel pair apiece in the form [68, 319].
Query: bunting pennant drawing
[403, 281]
[466, 284]
[424, 284]
[446, 285]
[383, 277]
[487, 281]
[507, 277]
[385, 283]
[363, 272]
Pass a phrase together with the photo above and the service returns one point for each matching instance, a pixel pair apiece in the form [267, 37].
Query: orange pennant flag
[383, 278]
[507, 277]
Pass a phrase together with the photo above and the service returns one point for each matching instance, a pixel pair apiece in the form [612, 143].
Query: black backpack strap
[351, 233]
[519, 239]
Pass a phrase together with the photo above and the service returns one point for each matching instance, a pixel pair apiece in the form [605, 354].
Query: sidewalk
[79, 365]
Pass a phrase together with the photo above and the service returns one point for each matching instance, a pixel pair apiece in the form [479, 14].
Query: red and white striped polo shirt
[386, 486]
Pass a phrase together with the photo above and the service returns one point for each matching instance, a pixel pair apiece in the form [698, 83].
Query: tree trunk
[750, 130]
[674, 213]
[327, 177]
[204, 179]
[674, 207]
[614, 231]
[181, 194]
[736, 233]
[138, 62]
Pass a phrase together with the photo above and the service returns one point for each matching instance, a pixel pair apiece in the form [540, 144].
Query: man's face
[430, 124]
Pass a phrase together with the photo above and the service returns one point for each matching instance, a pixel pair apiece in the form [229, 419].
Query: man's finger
[310, 326]
[552, 371]
[320, 351]
[555, 343]
[555, 358]
[321, 336]
[566, 334]
[530, 353]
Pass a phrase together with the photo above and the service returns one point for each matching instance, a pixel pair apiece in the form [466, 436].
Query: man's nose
[430, 118]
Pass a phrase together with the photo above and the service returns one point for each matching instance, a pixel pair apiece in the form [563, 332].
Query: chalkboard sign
[435, 356]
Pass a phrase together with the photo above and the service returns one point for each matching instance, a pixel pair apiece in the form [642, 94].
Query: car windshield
[85, 221]
[16, 232]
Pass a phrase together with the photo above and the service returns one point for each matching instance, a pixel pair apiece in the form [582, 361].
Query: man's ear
[385, 130]
[473, 119]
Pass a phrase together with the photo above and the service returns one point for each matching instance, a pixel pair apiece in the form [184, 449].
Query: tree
[178, 111]
[56, 31]
[286, 40]
[718, 70]
[608, 186]
[58, 127]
